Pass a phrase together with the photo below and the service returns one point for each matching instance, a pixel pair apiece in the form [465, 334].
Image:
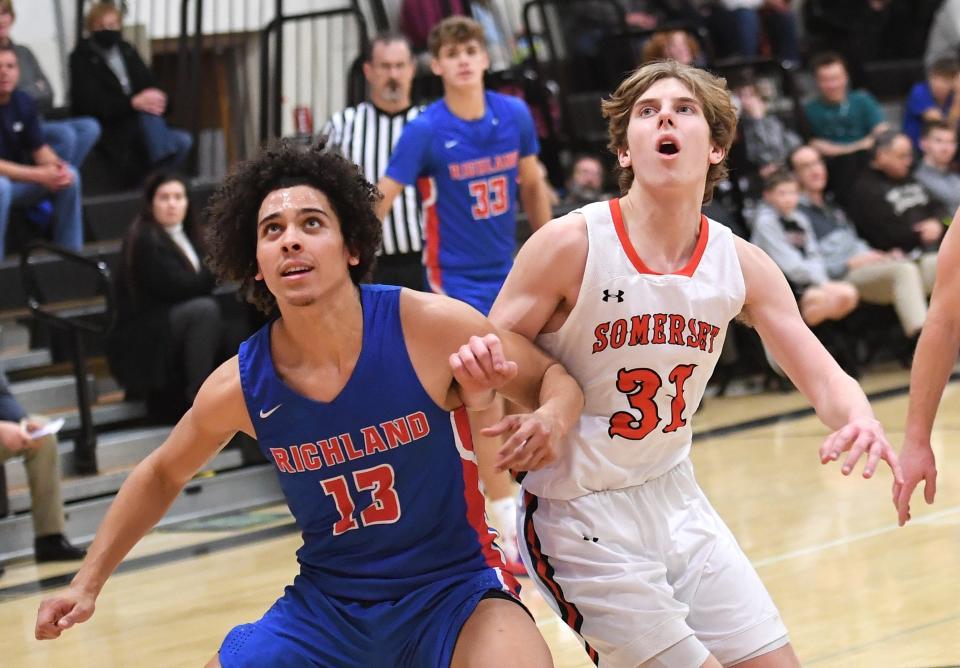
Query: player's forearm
[140, 504]
[536, 204]
[932, 364]
[840, 400]
[560, 398]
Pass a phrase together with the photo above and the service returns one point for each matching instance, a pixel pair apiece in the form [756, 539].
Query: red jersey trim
[634, 257]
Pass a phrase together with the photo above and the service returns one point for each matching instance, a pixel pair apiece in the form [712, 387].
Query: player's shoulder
[220, 398]
[439, 319]
[562, 241]
[510, 103]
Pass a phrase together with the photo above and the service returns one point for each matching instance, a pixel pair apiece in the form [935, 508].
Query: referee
[366, 134]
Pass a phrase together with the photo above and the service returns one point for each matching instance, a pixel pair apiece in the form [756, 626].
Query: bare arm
[459, 354]
[932, 363]
[837, 398]
[217, 414]
[831, 149]
[545, 279]
[17, 172]
[533, 192]
[391, 190]
[46, 156]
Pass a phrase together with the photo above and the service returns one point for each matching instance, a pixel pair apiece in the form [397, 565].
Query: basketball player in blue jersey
[633, 295]
[471, 153]
[357, 394]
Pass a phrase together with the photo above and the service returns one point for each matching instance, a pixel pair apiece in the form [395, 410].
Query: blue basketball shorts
[309, 628]
[479, 288]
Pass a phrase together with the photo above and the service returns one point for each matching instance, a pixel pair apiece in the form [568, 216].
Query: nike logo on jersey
[265, 414]
[618, 295]
[450, 144]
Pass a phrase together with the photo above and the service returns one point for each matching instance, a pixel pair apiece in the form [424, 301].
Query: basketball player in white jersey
[634, 297]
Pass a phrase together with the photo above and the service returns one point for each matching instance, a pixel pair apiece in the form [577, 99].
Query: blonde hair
[454, 30]
[711, 91]
[98, 11]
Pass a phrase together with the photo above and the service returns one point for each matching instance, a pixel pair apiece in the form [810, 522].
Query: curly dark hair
[232, 212]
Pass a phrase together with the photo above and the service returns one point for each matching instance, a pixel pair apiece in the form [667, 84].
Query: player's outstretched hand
[480, 369]
[531, 444]
[858, 437]
[918, 464]
[58, 613]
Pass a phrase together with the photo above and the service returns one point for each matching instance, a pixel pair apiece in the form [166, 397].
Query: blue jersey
[381, 481]
[466, 172]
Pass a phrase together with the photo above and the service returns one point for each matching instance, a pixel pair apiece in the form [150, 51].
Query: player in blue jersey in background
[358, 395]
[471, 153]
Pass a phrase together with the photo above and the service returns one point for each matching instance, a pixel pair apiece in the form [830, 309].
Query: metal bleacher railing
[93, 315]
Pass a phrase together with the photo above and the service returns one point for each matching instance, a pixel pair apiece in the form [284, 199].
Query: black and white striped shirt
[366, 135]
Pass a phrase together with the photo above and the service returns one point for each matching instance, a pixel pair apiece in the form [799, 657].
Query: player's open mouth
[668, 147]
[296, 270]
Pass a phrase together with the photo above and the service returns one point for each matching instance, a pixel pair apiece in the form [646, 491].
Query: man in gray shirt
[880, 277]
[938, 143]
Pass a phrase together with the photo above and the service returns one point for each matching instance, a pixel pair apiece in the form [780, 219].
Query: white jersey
[642, 345]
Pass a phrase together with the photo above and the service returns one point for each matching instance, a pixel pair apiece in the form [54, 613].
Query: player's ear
[435, 66]
[623, 157]
[717, 154]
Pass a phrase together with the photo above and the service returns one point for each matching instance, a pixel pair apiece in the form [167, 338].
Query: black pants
[404, 269]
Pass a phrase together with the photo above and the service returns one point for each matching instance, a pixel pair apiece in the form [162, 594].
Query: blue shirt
[381, 480]
[466, 172]
[20, 132]
[844, 123]
[919, 100]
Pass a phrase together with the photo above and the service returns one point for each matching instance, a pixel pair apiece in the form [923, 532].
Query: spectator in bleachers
[767, 142]
[110, 81]
[944, 36]
[164, 297]
[881, 277]
[785, 233]
[30, 171]
[933, 99]
[585, 184]
[678, 45]
[42, 462]
[736, 28]
[891, 210]
[366, 135]
[841, 121]
[938, 145]
[70, 138]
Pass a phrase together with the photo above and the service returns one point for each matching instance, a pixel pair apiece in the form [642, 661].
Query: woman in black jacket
[110, 82]
[170, 331]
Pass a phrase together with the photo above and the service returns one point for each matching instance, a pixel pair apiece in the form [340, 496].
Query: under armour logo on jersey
[265, 414]
[450, 144]
[618, 295]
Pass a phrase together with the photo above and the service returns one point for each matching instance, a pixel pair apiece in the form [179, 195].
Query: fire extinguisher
[303, 120]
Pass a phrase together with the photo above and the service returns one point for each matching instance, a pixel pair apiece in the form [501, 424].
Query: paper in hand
[51, 427]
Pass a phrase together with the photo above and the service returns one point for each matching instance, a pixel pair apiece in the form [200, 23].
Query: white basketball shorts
[634, 571]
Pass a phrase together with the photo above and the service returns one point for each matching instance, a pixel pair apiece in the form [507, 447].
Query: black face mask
[106, 39]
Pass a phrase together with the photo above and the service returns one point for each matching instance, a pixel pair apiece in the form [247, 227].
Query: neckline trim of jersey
[634, 257]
